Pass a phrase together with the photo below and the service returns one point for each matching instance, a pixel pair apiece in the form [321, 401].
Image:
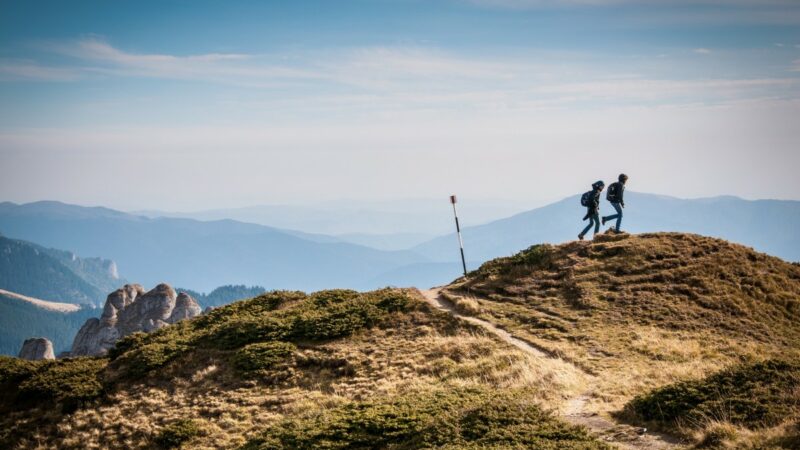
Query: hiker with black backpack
[615, 197]
[591, 200]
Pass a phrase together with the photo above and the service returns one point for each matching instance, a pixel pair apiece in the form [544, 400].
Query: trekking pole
[458, 231]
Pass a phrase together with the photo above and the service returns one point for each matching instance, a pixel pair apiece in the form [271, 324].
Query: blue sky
[205, 104]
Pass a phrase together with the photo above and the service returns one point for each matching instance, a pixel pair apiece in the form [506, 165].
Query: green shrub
[148, 357]
[335, 320]
[242, 331]
[459, 418]
[535, 255]
[14, 369]
[332, 297]
[263, 356]
[129, 342]
[391, 300]
[176, 433]
[751, 395]
[70, 382]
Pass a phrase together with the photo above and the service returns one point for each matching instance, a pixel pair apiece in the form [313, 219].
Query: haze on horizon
[201, 105]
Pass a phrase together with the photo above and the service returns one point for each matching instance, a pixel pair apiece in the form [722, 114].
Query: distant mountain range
[202, 255]
[406, 221]
[769, 226]
[30, 269]
[224, 295]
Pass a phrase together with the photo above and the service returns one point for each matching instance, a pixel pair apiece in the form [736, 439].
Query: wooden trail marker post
[458, 231]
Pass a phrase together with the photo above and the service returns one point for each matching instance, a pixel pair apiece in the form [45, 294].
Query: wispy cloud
[98, 56]
[401, 78]
[14, 69]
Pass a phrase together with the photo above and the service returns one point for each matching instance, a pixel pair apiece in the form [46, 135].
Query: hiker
[614, 196]
[591, 200]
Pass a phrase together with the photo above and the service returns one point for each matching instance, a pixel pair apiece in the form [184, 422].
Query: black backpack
[612, 195]
[586, 198]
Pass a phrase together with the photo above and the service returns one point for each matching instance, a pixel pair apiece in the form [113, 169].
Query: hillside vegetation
[644, 311]
[334, 369]
[56, 275]
[20, 319]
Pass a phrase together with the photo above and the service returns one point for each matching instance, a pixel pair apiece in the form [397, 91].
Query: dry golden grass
[643, 311]
[416, 352]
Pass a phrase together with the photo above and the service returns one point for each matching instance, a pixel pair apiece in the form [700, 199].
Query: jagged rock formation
[131, 309]
[35, 349]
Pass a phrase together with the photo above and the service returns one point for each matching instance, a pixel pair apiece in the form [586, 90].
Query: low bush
[69, 382]
[129, 342]
[177, 433]
[148, 357]
[334, 320]
[751, 395]
[460, 418]
[242, 331]
[15, 369]
[263, 356]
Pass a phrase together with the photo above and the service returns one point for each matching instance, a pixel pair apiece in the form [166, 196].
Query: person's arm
[622, 195]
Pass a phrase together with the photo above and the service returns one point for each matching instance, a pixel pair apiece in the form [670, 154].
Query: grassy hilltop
[683, 333]
[643, 311]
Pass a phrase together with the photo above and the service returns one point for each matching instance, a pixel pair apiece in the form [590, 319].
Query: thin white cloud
[702, 51]
[390, 79]
[99, 56]
[15, 70]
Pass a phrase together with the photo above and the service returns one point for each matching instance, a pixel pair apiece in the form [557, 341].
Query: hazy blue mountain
[769, 226]
[396, 241]
[357, 221]
[30, 269]
[21, 319]
[201, 255]
[224, 294]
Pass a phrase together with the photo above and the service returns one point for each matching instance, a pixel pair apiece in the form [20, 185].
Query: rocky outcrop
[35, 349]
[131, 309]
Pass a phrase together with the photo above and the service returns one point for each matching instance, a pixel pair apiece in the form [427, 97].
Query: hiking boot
[580, 237]
[603, 220]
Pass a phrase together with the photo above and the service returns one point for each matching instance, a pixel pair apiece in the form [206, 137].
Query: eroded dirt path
[575, 409]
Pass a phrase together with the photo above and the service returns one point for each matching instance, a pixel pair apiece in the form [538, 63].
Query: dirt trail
[576, 409]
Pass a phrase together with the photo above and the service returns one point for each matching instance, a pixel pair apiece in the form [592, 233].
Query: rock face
[35, 349]
[131, 309]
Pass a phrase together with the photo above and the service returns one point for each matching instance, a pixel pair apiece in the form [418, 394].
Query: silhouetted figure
[591, 200]
[615, 197]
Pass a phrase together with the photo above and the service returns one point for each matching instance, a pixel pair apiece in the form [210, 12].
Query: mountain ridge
[203, 255]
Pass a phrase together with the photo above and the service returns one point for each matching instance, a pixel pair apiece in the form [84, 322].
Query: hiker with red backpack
[591, 200]
[615, 197]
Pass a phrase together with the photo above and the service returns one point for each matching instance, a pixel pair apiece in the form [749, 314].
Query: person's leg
[586, 230]
[596, 219]
[613, 216]
[618, 215]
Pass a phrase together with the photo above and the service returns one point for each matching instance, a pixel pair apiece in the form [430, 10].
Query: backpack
[612, 195]
[586, 198]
